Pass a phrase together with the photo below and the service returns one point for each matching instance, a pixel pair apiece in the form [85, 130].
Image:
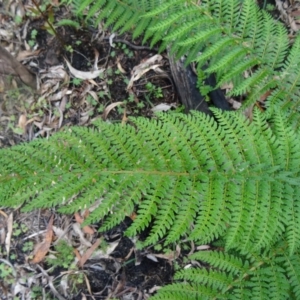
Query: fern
[188, 175]
[191, 176]
[270, 275]
[230, 38]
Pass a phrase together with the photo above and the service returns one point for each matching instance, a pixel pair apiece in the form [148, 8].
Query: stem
[49, 23]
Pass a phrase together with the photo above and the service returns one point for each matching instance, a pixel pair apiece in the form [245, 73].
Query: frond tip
[187, 175]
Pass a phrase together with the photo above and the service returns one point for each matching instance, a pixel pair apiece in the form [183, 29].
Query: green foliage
[66, 22]
[191, 176]
[188, 174]
[6, 272]
[205, 179]
[229, 38]
[64, 256]
[270, 275]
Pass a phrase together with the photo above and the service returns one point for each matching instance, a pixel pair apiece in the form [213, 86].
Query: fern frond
[185, 292]
[236, 276]
[66, 22]
[291, 265]
[187, 175]
[223, 261]
[261, 75]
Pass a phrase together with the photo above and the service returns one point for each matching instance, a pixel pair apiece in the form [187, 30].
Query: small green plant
[47, 11]
[77, 81]
[113, 53]
[69, 48]
[117, 72]
[153, 90]
[19, 229]
[18, 19]
[36, 292]
[12, 256]
[33, 36]
[140, 105]
[125, 49]
[130, 99]
[270, 7]
[101, 108]
[91, 100]
[76, 281]
[28, 246]
[64, 256]
[6, 273]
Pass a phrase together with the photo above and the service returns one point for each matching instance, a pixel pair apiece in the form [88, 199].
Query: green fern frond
[66, 22]
[202, 178]
[188, 175]
[271, 275]
[261, 75]
[291, 265]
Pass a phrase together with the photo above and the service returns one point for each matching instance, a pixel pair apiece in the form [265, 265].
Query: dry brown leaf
[55, 72]
[109, 108]
[32, 120]
[11, 67]
[7, 34]
[55, 2]
[3, 214]
[235, 104]
[265, 95]
[88, 253]
[289, 13]
[120, 68]
[77, 254]
[85, 229]
[133, 216]
[9, 221]
[171, 255]
[203, 247]
[22, 122]
[163, 107]
[124, 118]
[78, 231]
[88, 288]
[22, 55]
[42, 249]
[139, 70]
[82, 74]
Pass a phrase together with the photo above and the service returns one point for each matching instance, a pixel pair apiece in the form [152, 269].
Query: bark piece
[186, 84]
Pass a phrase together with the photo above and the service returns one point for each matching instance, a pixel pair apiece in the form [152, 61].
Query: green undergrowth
[190, 176]
[219, 180]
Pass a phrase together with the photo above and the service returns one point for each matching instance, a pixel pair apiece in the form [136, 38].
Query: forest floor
[83, 74]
